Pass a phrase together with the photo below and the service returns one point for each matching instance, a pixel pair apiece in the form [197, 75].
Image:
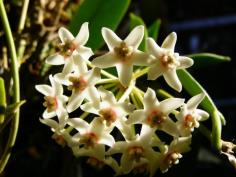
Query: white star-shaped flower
[123, 54]
[189, 116]
[90, 135]
[61, 135]
[111, 112]
[96, 157]
[135, 150]
[156, 114]
[166, 61]
[171, 154]
[71, 45]
[82, 83]
[54, 99]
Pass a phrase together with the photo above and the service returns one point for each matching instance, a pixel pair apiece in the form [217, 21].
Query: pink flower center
[89, 140]
[67, 48]
[50, 103]
[59, 139]
[135, 153]
[94, 162]
[124, 52]
[108, 115]
[169, 61]
[78, 83]
[190, 121]
[155, 118]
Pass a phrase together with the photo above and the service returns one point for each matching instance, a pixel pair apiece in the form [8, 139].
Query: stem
[140, 73]
[106, 81]
[16, 87]
[216, 130]
[127, 92]
[3, 102]
[23, 16]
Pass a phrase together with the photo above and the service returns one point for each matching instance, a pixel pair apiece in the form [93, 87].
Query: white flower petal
[65, 35]
[96, 126]
[83, 35]
[118, 147]
[48, 115]
[136, 117]
[105, 61]
[155, 71]
[154, 48]
[75, 101]
[56, 86]
[181, 144]
[170, 127]
[146, 134]
[79, 124]
[85, 52]
[125, 72]
[44, 89]
[149, 99]
[193, 103]
[185, 62]
[55, 60]
[111, 39]
[170, 41]
[170, 104]
[203, 114]
[62, 116]
[107, 96]
[93, 95]
[80, 63]
[107, 139]
[172, 80]
[68, 67]
[51, 123]
[94, 76]
[125, 129]
[141, 59]
[135, 37]
[89, 107]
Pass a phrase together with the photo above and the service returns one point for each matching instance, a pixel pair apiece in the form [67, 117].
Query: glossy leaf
[99, 13]
[205, 59]
[136, 21]
[153, 30]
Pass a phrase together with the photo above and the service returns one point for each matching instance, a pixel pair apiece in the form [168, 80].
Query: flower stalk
[16, 87]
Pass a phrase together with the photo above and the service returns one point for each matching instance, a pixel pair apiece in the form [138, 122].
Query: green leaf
[136, 21]
[9, 113]
[193, 88]
[205, 59]
[99, 13]
[153, 30]
[12, 108]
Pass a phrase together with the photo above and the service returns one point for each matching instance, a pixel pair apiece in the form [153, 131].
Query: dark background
[201, 26]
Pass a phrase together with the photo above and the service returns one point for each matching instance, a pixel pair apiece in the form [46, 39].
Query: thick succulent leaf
[136, 21]
[98, 13]
[206, 59]
[153, 30]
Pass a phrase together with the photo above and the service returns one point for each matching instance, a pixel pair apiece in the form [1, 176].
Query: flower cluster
[115, 115]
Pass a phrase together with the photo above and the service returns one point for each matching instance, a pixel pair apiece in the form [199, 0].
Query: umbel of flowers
[108, 105]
